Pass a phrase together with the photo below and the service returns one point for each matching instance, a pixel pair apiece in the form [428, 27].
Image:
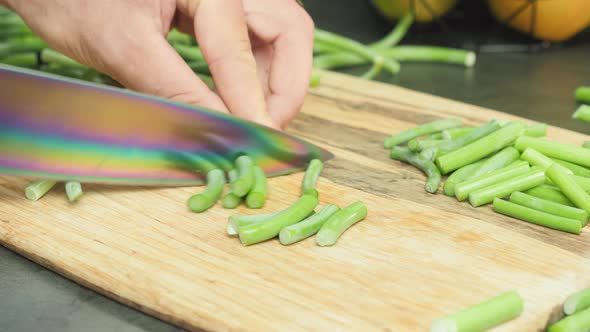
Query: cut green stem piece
[423, 164]
[569, 187]
[310, 178]
[245, 181]
[73, 190]
[549, 207]
[462, 141]
[206, 199]
[177, 37]
[339, 222]
[577, 302]
[576, 169]
[52, 57]
[353, 46]
[482, 316]
[25, 60]
[583, 94]
[375, 69]
[578, 322]
[485, 146]
[583, 182]
[455, 133]
[533, 178]
[427, 128]
[582, 113]
[231, 200]
[271, 227]
[499, 160]
[237, 221]
[459, 176]
[463, 189]
[417, 145]
[536, 158]
[38, 189]
[537, 130]
[537, 217]
[549, 193]
[568, 152]
[257, 196]
[396, 34]
[308, 226]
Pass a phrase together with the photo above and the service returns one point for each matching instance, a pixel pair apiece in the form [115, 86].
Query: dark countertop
[538, 86]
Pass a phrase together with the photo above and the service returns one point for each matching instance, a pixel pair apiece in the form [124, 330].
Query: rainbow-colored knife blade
[63, 129]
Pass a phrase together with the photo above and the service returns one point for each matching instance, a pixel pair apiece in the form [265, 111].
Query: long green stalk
[534, 177]
[482, 316]
[537, 217]
[21, 45]
[25, 60]
[501, 159]
[463, 189]
[568, 152]
[396, 35]
[549, 207]
[480, 148]
[549, 193]
[576, 169]
[353, 46]
[569, 187]
[421, 130]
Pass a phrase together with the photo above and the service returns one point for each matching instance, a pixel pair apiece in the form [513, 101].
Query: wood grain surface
[417, 256]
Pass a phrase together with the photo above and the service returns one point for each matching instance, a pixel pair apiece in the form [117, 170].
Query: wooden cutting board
[417, 256]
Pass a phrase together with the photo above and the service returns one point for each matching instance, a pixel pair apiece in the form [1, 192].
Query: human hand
[259, 51]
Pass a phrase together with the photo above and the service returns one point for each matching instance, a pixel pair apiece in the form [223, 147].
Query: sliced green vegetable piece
[549, 193]
[73, 190]
[459, 176]
[578, 322]
[237, 221]
[536, 158]
[582, 113]
[569, 187]
[485, 146]
[417, 145]
[549, 207]
[537, 217]
[339, 222]
[271, 227]
[577, 302]
[463, 189]
[206, 199]
[583, 94]
[245, 180]
[38, 189]
[497, 161]
[458, 143]
[534, 177]
[455, 133]
[257, 196]
[308, 226]
[311, 176]
[538, 130]
[423, 164]
[482, 316]
[428, 128]
[231, 200]
[568, 152]
[576, 169]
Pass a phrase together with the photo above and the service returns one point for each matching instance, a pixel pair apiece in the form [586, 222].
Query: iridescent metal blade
[51, 127]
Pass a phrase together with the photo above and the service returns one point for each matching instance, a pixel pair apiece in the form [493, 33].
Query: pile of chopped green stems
[297, 222]
[510, 165]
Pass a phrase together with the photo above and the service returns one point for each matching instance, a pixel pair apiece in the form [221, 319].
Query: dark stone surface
[534, 85]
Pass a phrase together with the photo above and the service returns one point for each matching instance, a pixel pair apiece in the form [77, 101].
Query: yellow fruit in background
[556, 20]
[395, 9]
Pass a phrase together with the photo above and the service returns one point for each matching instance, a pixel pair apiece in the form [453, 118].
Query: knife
[68, 130]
